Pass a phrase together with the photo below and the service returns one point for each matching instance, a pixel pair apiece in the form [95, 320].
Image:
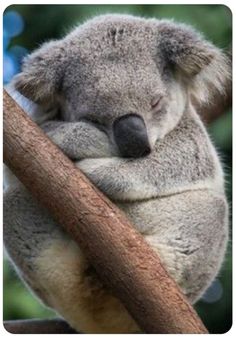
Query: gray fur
[106, 68]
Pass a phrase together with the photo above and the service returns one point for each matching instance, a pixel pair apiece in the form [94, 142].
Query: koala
[116, 96]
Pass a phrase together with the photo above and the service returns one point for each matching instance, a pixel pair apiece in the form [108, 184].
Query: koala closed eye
[157, 103]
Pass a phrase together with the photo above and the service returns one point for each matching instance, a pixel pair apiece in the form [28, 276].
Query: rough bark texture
[38, 326]
[120, 255]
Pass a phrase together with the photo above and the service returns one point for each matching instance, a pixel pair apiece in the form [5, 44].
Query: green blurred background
[25, 28]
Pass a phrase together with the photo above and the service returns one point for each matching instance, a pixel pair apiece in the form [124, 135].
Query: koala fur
[143, 73]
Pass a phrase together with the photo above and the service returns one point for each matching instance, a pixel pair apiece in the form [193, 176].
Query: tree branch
[122, 258]
[38, 326]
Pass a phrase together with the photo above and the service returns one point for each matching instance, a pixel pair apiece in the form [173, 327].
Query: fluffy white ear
[204, 68]
[42, 73]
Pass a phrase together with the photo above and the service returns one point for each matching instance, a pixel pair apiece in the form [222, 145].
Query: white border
[3, 5]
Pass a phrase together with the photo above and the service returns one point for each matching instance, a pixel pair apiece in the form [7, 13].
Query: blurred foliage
[26, 27]
[18, 302]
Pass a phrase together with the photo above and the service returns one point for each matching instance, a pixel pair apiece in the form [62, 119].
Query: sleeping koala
[115, 95]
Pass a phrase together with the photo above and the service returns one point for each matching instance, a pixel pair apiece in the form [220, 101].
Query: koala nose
[131, 137]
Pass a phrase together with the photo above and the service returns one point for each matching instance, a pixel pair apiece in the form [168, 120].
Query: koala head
[131, 77]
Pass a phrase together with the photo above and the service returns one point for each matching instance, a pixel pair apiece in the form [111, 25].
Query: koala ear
[42, 73]
[204, 68]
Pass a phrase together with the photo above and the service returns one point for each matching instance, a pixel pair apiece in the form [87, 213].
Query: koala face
[115, 73]
[131, 77]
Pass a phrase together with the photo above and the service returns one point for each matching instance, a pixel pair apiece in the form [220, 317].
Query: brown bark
[120, 255]
[38, 326]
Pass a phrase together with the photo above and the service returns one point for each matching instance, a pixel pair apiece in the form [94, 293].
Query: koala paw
[104, 174]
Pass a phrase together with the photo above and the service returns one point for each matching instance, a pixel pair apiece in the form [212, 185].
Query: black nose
[131, 137]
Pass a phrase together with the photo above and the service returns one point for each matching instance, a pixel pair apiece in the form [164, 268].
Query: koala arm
[171, 168]
[139, 179]
[78, 140]
[120, 178]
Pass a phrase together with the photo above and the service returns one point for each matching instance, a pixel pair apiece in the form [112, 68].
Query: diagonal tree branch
[38, 326]
[123, 260]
